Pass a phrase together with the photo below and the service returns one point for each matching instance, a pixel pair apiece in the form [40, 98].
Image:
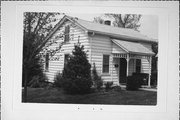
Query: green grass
[123, 97]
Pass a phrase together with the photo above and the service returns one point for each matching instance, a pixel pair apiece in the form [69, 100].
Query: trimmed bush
[97, 81]
[108, 85]
[143, 77]
[133, 82]
[77, 86]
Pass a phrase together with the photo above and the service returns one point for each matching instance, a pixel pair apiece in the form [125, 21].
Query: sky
[149, 23]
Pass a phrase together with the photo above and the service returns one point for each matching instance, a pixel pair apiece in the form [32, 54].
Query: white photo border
[166, 39]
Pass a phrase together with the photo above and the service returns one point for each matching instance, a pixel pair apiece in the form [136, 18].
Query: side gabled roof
[133, 47]
[114, 32]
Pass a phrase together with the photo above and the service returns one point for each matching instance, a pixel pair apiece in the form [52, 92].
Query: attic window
[66, 33]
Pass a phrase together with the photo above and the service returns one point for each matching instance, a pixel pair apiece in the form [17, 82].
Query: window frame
[140, 66]
[65, 62]
[104, 72]
[47, 62]
[67, 35]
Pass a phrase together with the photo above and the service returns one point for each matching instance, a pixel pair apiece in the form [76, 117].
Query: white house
[117, 52]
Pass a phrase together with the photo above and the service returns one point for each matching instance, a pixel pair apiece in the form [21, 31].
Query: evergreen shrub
[133, 82]
[58, 80]
[38, 81]
[98, 82]
[108, 86]
[76, 74]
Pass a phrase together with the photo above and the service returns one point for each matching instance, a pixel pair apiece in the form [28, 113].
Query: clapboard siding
[95, 46]
[145, 66]
[76, 34]
[102, 45]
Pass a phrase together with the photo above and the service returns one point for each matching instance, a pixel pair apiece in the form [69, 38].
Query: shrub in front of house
[38, 81]
[58, 80]
[77, 85]
[116, 88]
[97, 80]
[143, 77]
[76, 74]
[108, 85]
[133, 82]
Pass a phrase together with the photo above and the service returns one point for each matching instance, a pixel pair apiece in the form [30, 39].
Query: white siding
[57, 65]
[145, 66]
[96, 46]
[115, 71]
[102, 45]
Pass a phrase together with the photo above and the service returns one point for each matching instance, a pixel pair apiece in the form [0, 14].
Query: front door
[122, 70]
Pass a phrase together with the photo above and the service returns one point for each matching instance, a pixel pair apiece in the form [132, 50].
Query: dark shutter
[66, 33]
[105, 63]
[66, 57]
[47, 61]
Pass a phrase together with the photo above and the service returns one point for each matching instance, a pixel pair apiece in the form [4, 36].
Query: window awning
[133, 47]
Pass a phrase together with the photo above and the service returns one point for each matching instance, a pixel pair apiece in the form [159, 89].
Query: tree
[154, 64]
[96, 78]
[77, 72]
[98, 20]
[37, 27]
[122, 20]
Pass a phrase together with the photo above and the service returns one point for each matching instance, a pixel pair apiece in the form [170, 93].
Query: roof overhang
[122, 37]
[133, 48]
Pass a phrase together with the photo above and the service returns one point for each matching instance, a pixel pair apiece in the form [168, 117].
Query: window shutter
[66, 57]
[47, 61]
[66, 36]
[105, 63]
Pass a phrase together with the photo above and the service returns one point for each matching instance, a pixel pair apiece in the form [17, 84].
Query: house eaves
[133, 47]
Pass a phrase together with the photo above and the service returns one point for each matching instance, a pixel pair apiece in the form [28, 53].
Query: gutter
[124, 37]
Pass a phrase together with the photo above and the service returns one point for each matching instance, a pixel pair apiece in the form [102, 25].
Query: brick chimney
[107, 22]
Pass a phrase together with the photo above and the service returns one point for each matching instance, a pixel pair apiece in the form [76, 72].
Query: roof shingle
[133, 47]
[123, 33]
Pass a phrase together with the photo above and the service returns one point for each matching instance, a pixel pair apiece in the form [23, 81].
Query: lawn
[123, 97]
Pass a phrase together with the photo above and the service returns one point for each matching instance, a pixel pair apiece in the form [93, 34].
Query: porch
[131, 58]
[129, 64]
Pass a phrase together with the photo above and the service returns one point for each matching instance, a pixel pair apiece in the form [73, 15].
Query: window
[66, 57]
[47, 62]
[138, 65]
[105, 63]
[66, 33]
